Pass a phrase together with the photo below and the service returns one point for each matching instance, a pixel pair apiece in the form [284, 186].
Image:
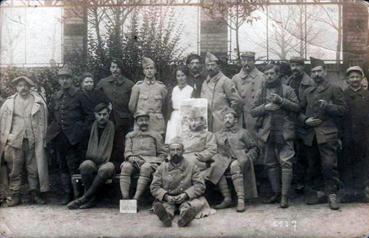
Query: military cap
[297, 59]
[147, 61]
[25, 79]
[210, 58]
[65, 71]
[141, 114]
[316, 62]
[248, 54]
[355, 68]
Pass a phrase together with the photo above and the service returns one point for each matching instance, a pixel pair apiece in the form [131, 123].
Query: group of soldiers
[297, 125]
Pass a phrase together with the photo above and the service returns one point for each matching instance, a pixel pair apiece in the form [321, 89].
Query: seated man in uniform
[97, 168]
[236, 151]
[144, 152]
[177, 185]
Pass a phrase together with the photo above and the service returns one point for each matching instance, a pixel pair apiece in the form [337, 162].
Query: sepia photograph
[184, 118]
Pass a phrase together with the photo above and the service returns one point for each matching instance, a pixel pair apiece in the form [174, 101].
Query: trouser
[171, 209]
[121, 129]
[325, 156]
[301, 164]
[279, 155]
[15, 159]
[68, 156]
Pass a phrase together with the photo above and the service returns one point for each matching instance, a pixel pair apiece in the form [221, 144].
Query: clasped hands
[275, 103]
[135, 159]
[176, 199]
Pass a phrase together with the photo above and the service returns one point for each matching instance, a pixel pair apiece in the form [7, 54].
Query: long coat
[221, 94]
[327, 131]
[39, 127]
[248, 86]
[289, 109]
[236, 144]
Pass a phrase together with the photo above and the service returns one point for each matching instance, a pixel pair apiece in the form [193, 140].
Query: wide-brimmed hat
[24, 78]
[355, 68]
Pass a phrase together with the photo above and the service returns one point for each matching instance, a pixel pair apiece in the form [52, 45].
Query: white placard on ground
[128, 206]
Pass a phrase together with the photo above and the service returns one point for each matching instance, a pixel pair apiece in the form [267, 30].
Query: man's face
[195, 66]
[247, 63]
[229, 120]
[354, 79]
[297, 69]
[102, 117]
[23, 88]
[196, 123]
[212, 68]
[175, 151]
[65, 81]
[318, 74]
[271, 75]
[115, 70]
[149, 71]
[143, 123]
[87, 84]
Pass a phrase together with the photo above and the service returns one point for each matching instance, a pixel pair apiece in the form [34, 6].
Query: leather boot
[162, 214]
[14, 200]
[332, 201]
[141, 186]
[286, 183]
[187, 216]
[240, 191]
[224, 190]
[96, 184]
[36, 198]
[67, 189]
[125, 184]
[274, 179]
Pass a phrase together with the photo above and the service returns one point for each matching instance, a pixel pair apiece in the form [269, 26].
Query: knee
[106, 171]
[235, 167]
[87, 167]
[126, 168]
[146, 170]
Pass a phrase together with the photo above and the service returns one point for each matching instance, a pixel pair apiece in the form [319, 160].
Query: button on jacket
[67, 116]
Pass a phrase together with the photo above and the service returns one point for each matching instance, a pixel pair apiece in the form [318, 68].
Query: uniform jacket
[235, 144]
[67, 116]
[202, 143]
[221, 93]
[289, 109]
[146, 144]
[196, 82]
[39, 125]
[248, 85]
[172, 180]
[327, 131]
[150, 98]
[119, 93]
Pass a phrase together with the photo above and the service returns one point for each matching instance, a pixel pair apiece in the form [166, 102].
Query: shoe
[163, 215]
[227, 202]
[36, 198]
[67, 197]
[186, 217]
[284, 202]
[75, 204]
[240, 205]
[332, 201]
[13, 201]
[273, 199]
[89, 204]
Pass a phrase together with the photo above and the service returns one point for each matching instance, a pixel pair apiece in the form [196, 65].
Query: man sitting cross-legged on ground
[144, 152]
[97, 168]
[177, 185]
[236, 151]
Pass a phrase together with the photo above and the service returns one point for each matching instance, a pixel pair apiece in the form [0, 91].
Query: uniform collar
[215, 78]
[181, 166]
[234, 129]
[149, 82]
[111, 79]
[71, 92]
[322, 87]
[352, 92]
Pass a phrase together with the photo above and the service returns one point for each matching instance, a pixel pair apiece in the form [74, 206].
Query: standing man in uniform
[117, 89]
[197, 76]
[220, 92]
[23, 123]
[67, 129]
[275, 108]
[321, 107]
[149, 96]
[300, 82]
[177, 185]
[144, 152]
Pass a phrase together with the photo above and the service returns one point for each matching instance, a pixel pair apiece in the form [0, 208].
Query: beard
[176, 158]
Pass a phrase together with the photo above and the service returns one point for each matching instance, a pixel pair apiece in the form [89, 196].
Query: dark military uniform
[148, 146]
[118, 92]
[322, 140]
[149, 96]
[196, 82]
